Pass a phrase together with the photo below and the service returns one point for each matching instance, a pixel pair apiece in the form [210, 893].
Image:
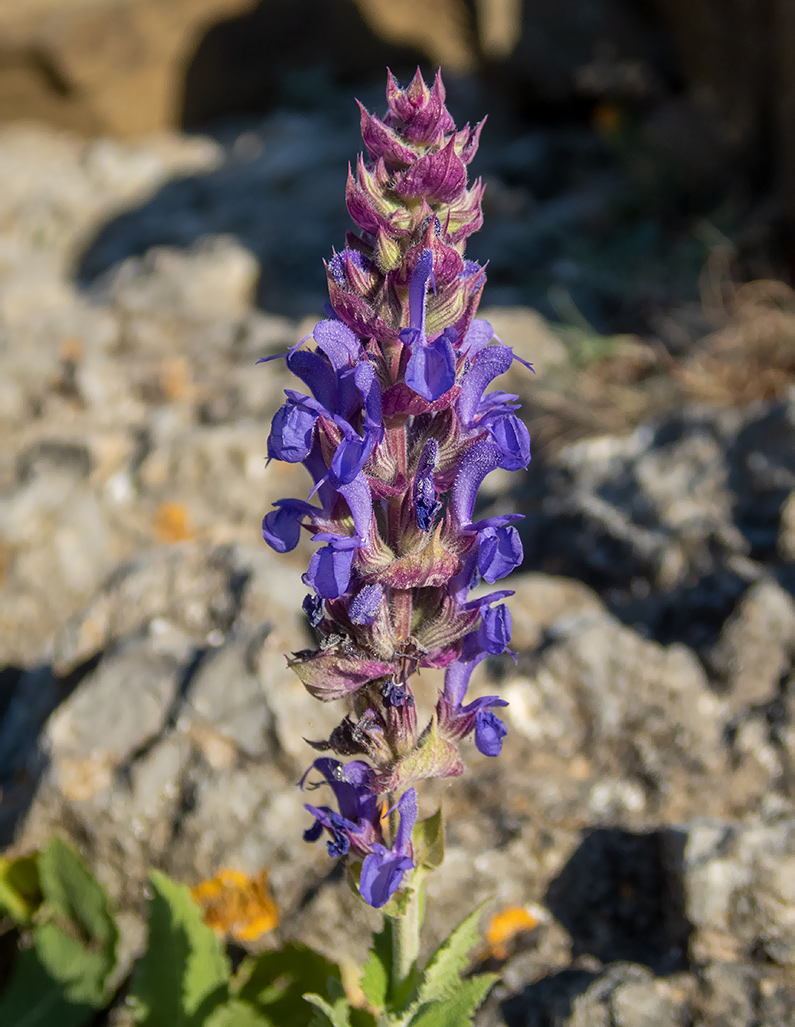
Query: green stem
[405, 943]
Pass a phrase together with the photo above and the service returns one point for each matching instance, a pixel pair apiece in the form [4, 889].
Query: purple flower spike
[397, 432]
[499, 553]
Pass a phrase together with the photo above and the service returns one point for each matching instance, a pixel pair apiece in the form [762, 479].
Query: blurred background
[171, 178]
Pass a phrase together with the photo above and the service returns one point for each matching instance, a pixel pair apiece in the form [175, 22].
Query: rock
[113, 68]
[786, 535]
[624, 995]
[737, 887]
[182, 745]
[728, 995]
[216, 278]
[542, 600]
[597, 689]
[756, 645]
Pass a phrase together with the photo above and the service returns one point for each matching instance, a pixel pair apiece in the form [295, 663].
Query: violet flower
[397, 432]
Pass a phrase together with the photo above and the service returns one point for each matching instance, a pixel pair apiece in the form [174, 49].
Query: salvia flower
[397, 429]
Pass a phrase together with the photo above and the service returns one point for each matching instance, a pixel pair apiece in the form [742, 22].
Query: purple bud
[441, 176]
[495, 631]
[330, 571]
[365, 604]
[430, 371]
[382, 141]
[281, 528]
[512, 439]
[499, 552]
[383, 870]
[291, 431]
[489, 733]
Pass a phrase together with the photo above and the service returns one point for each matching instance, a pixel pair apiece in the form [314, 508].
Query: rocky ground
[643, 806]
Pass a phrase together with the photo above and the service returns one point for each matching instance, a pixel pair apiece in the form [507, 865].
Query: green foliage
[442, 975]
[377, 970]
[328, 1015]
[428, 841]
[63, 978]
[183, 979]
[275, 982]
[458, 1009]
[237, 1014]
[20, 892]
[183, 976]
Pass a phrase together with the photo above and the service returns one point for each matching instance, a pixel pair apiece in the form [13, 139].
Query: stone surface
[755, 649]
[101, 66]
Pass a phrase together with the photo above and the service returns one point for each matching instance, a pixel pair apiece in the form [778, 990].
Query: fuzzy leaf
[183, 975]
[458, 1010]
[335, 1016]
[428, 841]
[275, 982]
[442, 977]
[375, 973]
[20, 892]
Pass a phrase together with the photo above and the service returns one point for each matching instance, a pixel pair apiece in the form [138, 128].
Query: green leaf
[428, 841]
[77, 901]
[237, 1014]
[335, 1016]
[442, 977]
[459, 1008]
[63, 978]
[20, 892]
[376, 971]
[276, 982]
[183, 975]
[33, 999]
[80, 971]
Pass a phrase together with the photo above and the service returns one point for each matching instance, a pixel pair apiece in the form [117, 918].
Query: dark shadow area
[246, 64]
[761, 476]
[548, 1002]
[27, 698]
[619, 900]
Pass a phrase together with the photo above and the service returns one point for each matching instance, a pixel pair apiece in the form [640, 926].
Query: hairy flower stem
[405, 942]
